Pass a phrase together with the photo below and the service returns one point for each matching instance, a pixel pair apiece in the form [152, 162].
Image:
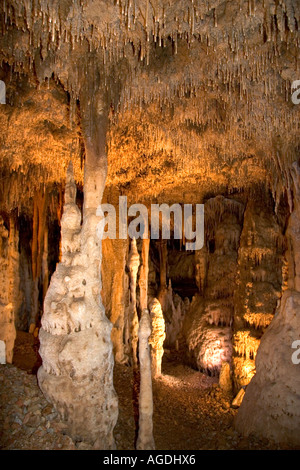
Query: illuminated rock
[133, 266]
[157, 337]
[271, 405]
[145, 440]
[225, 378]
[10, 294]
[2, 352]
[75, 343]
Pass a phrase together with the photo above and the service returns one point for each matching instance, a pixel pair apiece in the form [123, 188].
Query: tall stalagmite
[157, 337]
[75, 343]
[145, 439]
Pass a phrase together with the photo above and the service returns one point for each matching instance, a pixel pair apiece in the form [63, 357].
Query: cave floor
[190, 411]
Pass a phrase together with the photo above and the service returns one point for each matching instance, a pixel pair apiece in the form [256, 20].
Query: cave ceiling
[199, 94]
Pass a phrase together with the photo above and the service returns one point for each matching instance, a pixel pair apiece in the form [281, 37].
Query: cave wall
[10, 292]
[271, 403]
[260, 284]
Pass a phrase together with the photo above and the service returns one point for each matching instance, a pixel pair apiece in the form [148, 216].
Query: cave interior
[185, 103]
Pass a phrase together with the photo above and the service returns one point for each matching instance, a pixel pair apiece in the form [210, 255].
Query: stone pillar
[75, 343]
[143, 281]
[133, 266]
[271, 405]
[145, 439]
[157, 337]
[45, 268]
[163, 259]
[113, 291]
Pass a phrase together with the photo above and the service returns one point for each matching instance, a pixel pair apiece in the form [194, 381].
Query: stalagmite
[145, 439]
[133, 266]
[75, 343]
[157, 337]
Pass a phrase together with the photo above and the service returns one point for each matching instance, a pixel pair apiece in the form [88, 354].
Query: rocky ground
[190, 411]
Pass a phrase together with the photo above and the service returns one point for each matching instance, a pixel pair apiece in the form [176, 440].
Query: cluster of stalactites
[142, 23]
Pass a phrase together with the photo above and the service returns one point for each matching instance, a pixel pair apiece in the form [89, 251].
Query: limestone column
[271, 405]
[38, 228]
[113, 291]
[133, 266]
[45, 268]
[163, 254]
[75, 343]
[145, 439]
[157, 337]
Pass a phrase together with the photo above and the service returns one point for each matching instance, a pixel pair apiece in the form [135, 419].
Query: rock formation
[259, 287]
[208, 323]
[271, 403]
[157, 337]
[133, 266]
[225, 382]
[114, 292]
[75, 341]
[145, 439]
[10, 294]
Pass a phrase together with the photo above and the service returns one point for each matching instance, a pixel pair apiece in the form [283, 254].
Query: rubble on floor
[190, 412]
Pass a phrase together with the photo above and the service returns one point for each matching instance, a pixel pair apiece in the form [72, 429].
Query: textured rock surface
[208, 324]
[145, 440]
[271, 405]
[115, 291]
[10, 295]
[272, 400]
[133, 266]
[157, 336]
[75, 341]
[259, 286]
[198, 105]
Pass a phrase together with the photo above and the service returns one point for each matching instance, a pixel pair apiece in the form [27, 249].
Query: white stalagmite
[145, 439]
[75, 342]
[157, 337]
